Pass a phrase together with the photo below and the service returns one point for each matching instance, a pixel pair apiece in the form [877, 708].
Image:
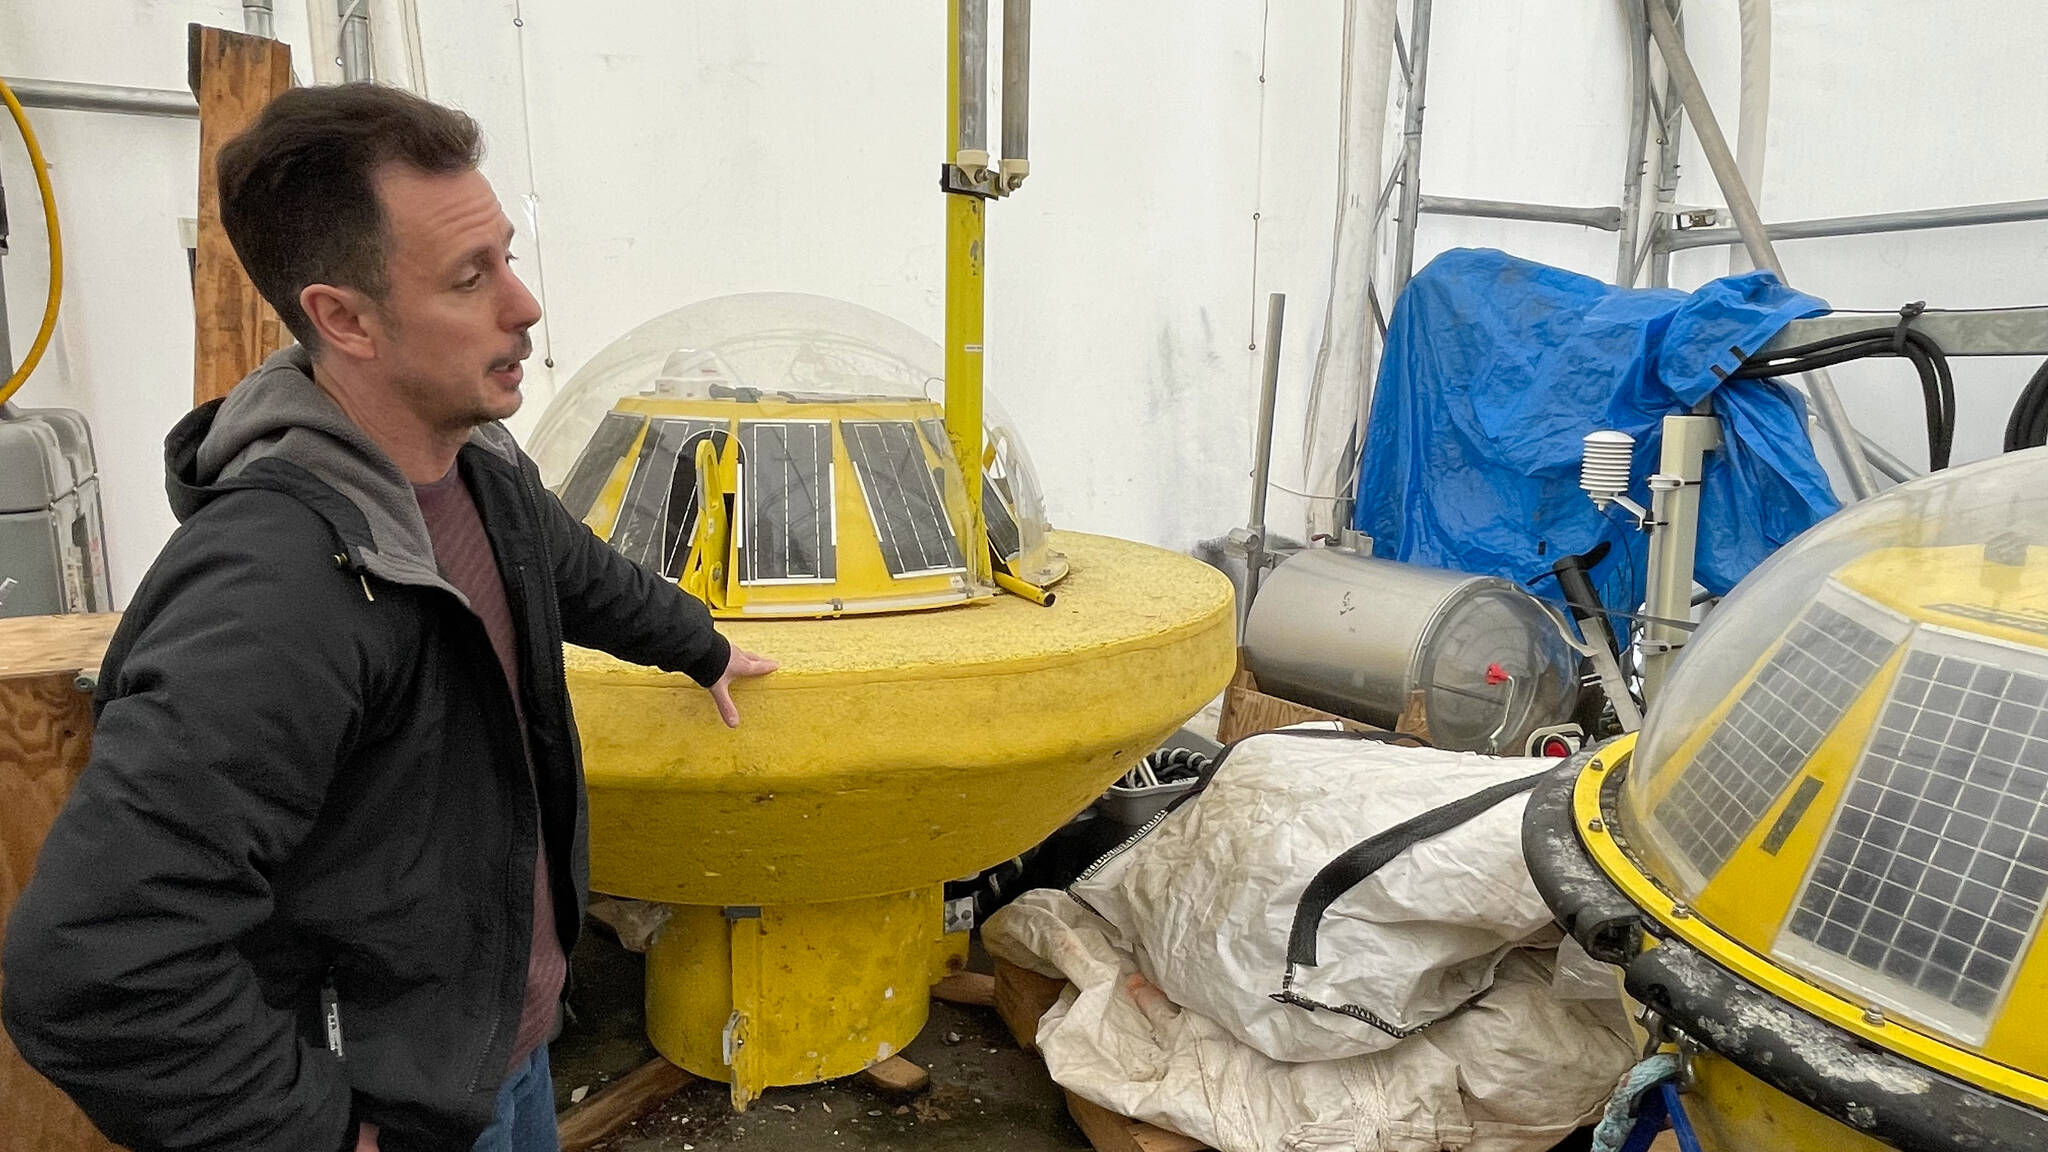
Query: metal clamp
[963, 180]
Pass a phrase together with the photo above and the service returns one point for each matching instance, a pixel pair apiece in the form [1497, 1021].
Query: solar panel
[787, 533]
[902, 497]
[1831, 652]
[660, 500]
[606, 448]
[1003, 534]
[1931, 882]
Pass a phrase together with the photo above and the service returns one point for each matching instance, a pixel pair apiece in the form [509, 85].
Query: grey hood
[278, 415]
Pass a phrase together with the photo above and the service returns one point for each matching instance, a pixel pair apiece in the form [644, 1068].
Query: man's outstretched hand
[740, 665]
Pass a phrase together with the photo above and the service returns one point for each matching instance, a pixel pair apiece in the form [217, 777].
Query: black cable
[1937, 385]
[2028, 425]
[1173, 764]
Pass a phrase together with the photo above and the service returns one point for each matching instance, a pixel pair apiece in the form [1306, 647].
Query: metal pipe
[1411, 146]
[355, 39]
[1960, 332]
[1638, 139]
[966, 237]
[1043, 597]
[1834, 420]
[1674, 540]
[2006, 212]
[69, 96]
[973, 65]
[1712, 142]
[256, 19]
[1670, 123]
[1605, 219]
[1262, 460]
[1016, 79]
[1882, 460]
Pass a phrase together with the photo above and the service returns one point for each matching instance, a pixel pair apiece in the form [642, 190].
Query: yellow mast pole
[966, 167]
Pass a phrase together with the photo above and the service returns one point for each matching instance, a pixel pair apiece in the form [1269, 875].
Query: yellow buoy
[806, 849]
[776, 456]
[1823, 865]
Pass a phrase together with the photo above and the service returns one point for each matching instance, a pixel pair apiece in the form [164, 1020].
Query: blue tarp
[1496, 368]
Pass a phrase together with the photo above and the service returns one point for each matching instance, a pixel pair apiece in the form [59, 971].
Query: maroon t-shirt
[464, 555]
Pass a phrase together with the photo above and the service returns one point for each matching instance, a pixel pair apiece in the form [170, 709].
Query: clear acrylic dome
[800, 349]
[767, 341]
[1848, 768]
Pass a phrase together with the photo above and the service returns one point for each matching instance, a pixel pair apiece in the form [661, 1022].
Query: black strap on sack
[1363, 859]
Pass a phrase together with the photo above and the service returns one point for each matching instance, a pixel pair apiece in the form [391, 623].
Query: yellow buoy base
[1733, 1111]
[795, 993]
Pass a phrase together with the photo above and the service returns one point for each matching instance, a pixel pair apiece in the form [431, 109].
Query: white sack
[1514, 1072]
[1207, 898]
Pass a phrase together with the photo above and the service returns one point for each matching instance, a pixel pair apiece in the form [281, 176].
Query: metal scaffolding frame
[1655, 25]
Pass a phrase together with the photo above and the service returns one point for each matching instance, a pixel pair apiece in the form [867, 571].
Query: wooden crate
[1248, 711]
[45, 736]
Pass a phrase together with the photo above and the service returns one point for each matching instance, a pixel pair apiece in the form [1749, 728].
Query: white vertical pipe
[1340, 393]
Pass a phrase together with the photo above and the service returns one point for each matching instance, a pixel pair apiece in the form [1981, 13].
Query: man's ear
[345, 318]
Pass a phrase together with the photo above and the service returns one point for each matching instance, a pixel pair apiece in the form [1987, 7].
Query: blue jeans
[526, 1110]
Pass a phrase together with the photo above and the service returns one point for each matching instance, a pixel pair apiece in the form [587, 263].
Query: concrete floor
[987, 1095]
[986, 1092]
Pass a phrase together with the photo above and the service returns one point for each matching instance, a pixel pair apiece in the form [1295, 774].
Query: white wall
[671, 152]
[123, 348]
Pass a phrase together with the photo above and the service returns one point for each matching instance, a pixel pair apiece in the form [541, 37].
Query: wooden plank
[1109, 1132]
[45, 736]
[1248, 711]
[975, 988]
[233, 75]
[631, 1097]
[40, 645]
[896, 1078]
[1022, 998]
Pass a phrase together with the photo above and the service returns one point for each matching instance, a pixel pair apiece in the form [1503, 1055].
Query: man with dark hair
[316, 886]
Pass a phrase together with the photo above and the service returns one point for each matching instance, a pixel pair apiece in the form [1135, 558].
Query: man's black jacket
[307, 775]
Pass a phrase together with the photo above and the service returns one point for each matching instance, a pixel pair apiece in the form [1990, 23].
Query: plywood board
[45, 736]
[38, 645]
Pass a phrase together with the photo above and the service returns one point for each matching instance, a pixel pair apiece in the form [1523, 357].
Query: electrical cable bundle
[1166, 766]
[1937, 387]
[2028, 426]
